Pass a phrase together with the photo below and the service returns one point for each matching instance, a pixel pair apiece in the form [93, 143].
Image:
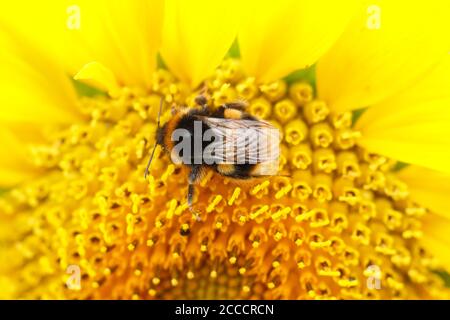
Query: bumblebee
[226, 140]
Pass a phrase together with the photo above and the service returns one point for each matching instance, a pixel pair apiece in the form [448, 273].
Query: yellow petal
[279, 37]
[124, 36]
[428, 188]
[35, 91]
[15, 162]
[387, 47]
[413, 126]
[431, 189]
[10, 177]
[98, 75]
[434, 85]
[435, 238]
[33, 87]
[197, 35]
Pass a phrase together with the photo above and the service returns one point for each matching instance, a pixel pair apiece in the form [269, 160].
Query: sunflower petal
[34, 88]
[197, 35]
[99, 76]
[123, 36]
[277, 38]
[413, 125]
[15, 164]
[10, 178]
[434, 85]
[435, 238]
[431, 189]
[387, 47]
[428, 188]
[35, 92]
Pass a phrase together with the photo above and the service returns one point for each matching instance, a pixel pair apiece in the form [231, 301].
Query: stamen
[261, 108]
[316, 111]
[274, 91]
[284, 110]
[301, 156]
[295, 132]
[301, 93]
[247, 89]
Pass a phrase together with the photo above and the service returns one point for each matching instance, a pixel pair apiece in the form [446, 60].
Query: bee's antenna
[156, 142]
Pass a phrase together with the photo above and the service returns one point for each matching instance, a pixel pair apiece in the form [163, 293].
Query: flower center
[336, 223]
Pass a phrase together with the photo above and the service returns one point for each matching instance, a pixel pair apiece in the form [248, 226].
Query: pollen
[335, 220]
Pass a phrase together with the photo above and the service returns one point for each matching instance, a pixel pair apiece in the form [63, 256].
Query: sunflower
[359, 90]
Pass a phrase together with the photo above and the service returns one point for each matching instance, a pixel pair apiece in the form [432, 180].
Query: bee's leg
[190, 195]
[194, 175]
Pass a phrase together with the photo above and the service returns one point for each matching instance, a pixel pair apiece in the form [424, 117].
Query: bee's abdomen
[236, 171]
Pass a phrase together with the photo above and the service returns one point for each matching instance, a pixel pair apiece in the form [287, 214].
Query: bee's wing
[240, 141]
